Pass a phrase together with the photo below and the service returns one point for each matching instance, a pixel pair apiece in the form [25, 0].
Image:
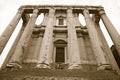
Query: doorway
[60, 51]
[60, 55]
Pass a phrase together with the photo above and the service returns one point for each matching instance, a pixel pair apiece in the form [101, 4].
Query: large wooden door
[60, 55]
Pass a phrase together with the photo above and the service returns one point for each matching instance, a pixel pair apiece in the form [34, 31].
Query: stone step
[55, 78]
[57, 74]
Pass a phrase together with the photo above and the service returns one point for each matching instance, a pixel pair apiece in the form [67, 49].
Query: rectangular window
[61, 21]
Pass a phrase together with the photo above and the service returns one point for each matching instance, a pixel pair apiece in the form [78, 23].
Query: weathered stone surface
[108, 53]
[47, 74]
[73, 50]
[9, 30]
[111, 30]
[99, 54]
[45, 54]
[23, 42]
[61, 48]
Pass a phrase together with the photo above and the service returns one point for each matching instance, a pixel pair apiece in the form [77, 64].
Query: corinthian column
[111, 30]
[14, 45]
[81, 44]
[73, 50]
[22, 44]
[9, 30]
[99, 54]
[105, 46]
[44, 58]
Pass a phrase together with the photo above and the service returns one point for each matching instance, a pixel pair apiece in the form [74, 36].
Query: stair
[57, 74]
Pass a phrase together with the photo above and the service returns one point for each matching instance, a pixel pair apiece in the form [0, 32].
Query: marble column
[105, 46]
[73, 50]
[9, 30]
[96, 19]
[9, 55]
[99, 54]
[44, 58]
[17, 57]
[81, 44]
[111, 30]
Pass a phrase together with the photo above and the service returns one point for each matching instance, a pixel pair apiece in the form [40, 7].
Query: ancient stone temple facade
[60, 43]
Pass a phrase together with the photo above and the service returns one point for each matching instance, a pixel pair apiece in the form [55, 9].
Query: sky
[8, 9]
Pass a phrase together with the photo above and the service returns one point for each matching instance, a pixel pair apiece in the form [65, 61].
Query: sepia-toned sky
[8, 9]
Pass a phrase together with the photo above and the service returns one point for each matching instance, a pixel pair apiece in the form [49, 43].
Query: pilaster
[82, 51]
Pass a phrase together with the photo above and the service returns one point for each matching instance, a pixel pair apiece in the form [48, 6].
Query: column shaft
[9, 30]
[81, 44]
[22, 44]
[99, 54]
[9, 55]
[44, 58]
[106, 48]
[73, 49]
[111, 30]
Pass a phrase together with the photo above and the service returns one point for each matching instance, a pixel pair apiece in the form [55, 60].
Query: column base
[43, 65]
[104, 67]
[75, 66]
[13, 65]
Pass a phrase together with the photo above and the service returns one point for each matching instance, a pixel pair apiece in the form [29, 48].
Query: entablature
[75, 8]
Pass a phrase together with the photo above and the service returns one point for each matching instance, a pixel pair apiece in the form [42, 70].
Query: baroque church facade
[61, 41]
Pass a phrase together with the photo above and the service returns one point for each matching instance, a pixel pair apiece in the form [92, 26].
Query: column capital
[85, 11]
[101, 12]
[45, 14]
[51, 11]
[96, 18]
[35, 10]
[69, 10]
[20, 11]
[76, 14]
[69, 13]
